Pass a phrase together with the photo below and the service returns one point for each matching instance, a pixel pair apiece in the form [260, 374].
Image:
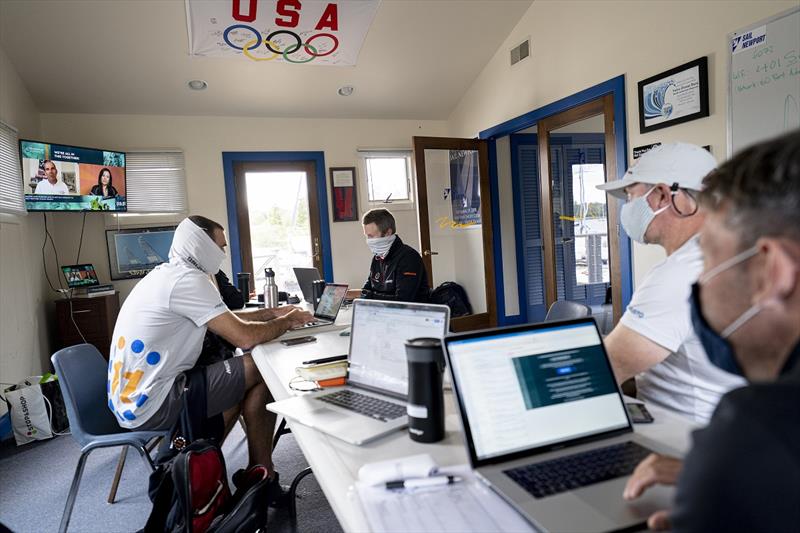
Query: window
[156, 182]
[11, 197]
[388, 177]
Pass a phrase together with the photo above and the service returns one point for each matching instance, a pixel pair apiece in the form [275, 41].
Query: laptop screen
[305, 278]
[330, 301]
[521, 390]
[378, 336]
[80, 276]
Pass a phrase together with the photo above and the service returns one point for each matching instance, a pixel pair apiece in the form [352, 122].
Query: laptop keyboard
[365, 405]
[579, 470]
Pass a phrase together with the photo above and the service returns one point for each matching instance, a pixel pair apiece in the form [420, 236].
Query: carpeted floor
[35, 480]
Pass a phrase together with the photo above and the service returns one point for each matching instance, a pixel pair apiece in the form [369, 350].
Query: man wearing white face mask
[158, 338]
[397, 272]
[654, 340]
[743, 470]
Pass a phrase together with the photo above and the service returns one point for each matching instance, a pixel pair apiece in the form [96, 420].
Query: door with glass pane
[279, 224]
[581, 253]
[455, 222]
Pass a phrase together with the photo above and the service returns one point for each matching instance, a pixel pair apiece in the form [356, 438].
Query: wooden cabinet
[95, 317]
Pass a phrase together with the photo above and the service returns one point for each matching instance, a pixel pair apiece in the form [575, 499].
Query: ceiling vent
[520, 52]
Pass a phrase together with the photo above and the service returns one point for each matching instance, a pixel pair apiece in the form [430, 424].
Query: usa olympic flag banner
[317, 32]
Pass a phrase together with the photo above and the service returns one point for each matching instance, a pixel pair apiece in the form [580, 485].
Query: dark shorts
[225, 389]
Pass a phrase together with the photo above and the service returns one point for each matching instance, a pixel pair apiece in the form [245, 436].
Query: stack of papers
[461, 507]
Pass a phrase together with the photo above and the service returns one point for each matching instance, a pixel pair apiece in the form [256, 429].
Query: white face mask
[636, 216]
[192, 245]
[380, 245]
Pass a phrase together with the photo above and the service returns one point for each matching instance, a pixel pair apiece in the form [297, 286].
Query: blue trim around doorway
[615, 86]
[230, 158]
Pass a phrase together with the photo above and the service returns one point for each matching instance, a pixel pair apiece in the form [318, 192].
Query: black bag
[190, 494]
[189, 488]
[453, 296]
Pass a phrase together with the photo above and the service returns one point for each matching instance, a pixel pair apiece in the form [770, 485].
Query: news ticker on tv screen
[58, 177]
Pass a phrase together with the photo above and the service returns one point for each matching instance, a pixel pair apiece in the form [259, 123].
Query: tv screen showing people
[80, 275]
[58, 177]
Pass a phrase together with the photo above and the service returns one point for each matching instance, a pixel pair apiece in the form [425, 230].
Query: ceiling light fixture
[346, 90]
[197, 85]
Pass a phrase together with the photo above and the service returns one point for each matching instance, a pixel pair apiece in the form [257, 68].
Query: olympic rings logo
[274, 47]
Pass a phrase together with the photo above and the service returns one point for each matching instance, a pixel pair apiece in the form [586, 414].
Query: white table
[336, 463]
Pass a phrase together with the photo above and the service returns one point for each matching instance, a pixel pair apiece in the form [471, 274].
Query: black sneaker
[278, 494]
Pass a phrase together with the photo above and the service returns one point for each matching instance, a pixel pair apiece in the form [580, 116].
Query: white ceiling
[131, 56]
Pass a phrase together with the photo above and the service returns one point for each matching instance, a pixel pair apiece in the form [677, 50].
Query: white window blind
[12, 199]
[156, 182]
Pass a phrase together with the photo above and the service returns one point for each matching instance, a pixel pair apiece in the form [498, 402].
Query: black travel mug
[317, 288]
[243, 284]
[425, 392]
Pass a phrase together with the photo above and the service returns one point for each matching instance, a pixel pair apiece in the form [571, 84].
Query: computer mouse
[345, 333]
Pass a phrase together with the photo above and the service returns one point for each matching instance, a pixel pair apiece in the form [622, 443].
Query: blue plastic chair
[82, 375]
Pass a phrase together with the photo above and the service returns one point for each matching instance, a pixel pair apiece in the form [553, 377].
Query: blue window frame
[615, 87]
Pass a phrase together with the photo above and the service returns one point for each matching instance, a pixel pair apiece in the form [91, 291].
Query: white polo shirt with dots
[159, 334]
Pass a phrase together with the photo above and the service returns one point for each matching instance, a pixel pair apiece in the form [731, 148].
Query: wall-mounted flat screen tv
[57, 177]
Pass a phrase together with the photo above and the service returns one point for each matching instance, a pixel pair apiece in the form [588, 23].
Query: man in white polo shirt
[654, 341]
[158, 338]
[51, 185]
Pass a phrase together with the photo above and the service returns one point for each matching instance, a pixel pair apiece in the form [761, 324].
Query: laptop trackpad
[325, 415]
[607, 499]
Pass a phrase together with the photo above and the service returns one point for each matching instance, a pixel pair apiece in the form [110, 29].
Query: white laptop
[373, 402]
[546, 427]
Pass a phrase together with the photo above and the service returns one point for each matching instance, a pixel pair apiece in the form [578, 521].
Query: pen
[422, 482]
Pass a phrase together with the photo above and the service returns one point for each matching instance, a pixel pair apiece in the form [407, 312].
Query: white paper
[342, 178]
[413, 466]
[462, 507]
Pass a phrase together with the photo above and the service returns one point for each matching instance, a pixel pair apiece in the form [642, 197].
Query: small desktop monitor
[57, 177]
[80, 276]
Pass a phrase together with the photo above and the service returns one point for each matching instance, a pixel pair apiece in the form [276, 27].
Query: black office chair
[565, 309]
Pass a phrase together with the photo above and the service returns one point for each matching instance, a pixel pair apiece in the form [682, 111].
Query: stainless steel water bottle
[425, 392]
[270, 289]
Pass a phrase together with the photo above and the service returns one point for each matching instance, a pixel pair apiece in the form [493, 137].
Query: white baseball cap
[683, 164]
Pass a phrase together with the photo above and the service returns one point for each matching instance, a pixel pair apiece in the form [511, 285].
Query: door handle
[428, 253]
[316, 247]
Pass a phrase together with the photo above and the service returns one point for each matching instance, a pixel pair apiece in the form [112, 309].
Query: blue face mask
[717, 347]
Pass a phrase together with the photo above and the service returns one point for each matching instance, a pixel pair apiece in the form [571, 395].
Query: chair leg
[293, 492]
[118, 474]
[73, 492]
[282, 430]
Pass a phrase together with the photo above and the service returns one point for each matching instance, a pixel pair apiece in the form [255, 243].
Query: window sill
[391, 206]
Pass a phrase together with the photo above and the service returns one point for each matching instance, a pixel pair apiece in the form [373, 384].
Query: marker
[422, 482]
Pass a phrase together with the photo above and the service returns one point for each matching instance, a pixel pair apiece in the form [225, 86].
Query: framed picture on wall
[133, 252]
[675, 96]
[343, 187]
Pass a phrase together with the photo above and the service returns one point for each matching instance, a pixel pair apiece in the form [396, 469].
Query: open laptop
[373, 402]
[305, 278]
[546, 426]
[79, 276]
[328, 308]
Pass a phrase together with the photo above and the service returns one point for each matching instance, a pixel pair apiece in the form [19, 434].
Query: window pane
[280, 231]
[590, 224]
[387, 176]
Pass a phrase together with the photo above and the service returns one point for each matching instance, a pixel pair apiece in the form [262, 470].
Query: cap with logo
[678, 163]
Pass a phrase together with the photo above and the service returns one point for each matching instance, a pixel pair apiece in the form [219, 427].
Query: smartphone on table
[298, 340]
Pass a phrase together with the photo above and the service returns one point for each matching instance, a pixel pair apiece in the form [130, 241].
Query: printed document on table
[467, 506]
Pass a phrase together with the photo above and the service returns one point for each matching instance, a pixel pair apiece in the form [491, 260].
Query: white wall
[203, 139]
[24, 343]
[578, 44]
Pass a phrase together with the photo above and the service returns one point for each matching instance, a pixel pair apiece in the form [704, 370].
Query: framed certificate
[343, 187]
[675, 96]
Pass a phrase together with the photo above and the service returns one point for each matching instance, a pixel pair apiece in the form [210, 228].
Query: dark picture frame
[681, 92]
[133, 252]
[344, 194]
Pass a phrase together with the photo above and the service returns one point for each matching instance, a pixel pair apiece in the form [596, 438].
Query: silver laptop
[305, 278]
[329, 304]
[373, 402]
[546, 427]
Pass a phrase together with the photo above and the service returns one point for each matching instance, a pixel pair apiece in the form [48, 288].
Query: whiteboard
[764, 80]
